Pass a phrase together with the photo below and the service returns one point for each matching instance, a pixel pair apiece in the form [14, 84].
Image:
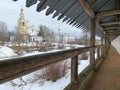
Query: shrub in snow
[53, 72]
[18, 84]
[60, 46]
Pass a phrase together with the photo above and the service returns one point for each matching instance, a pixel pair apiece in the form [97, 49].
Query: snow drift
[116, 44]
[6, 52]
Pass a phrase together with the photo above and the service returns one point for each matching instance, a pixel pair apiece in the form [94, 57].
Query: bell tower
[22, 23]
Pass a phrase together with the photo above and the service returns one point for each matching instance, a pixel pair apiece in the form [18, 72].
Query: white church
[27, 32]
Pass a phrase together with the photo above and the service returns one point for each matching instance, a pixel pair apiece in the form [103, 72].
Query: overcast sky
[9, 13]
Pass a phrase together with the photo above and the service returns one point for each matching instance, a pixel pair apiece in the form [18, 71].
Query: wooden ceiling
[112, 29]
[78, 13]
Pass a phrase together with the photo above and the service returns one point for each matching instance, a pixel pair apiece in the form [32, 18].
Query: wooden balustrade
[16, 67]
[77, 80]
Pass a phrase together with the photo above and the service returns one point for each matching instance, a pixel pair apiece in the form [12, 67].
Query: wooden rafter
[112, 28]
[108, 13]
[110, 23]
[113, 33]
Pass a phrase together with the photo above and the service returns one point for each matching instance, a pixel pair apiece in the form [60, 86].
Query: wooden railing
[16, 67]
[79, 81]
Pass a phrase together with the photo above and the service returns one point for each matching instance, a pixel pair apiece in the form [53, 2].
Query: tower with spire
[22, 23]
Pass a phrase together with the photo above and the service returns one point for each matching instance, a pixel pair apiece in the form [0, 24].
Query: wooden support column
[92, 41]
[102, 40]
[108, 42]
[98, 52]
[106, 39]
[116, 17]
[105, 48]
[74, 70]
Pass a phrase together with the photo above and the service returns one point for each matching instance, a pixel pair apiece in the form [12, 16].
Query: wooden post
[98, 52]
[105, 39]
[102, 38]
[107, 42]
[92, 41]
[74, 69]
[105, 48]
[116, 17]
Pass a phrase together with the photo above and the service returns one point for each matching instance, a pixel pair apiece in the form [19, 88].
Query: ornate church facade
[26, 31]
[22, 24]
[23, 35]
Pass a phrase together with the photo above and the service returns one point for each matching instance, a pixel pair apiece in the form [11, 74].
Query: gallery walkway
[108, 75]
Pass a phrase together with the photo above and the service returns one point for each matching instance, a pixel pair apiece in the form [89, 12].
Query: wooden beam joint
[90, 12]
[87, 8]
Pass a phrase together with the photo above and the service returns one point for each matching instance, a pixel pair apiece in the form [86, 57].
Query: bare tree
[3, 31]
[46, 33]
[3, 26]
[84, 39]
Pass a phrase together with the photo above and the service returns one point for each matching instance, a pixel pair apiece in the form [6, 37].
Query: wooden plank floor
[108, 75]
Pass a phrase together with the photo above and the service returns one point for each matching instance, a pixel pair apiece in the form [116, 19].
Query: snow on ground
[6, 52]
[49, 85]
[116, 44]
[67, 46]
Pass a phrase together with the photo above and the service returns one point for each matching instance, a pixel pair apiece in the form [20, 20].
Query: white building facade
[64, 39]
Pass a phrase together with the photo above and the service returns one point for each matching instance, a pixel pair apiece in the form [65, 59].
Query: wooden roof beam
[112, 31]
[115, 33]
[110, 23]
[111, 28]
[90, 12]
[108, 13]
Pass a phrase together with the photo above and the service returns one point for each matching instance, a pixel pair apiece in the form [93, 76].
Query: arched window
[23, 23]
